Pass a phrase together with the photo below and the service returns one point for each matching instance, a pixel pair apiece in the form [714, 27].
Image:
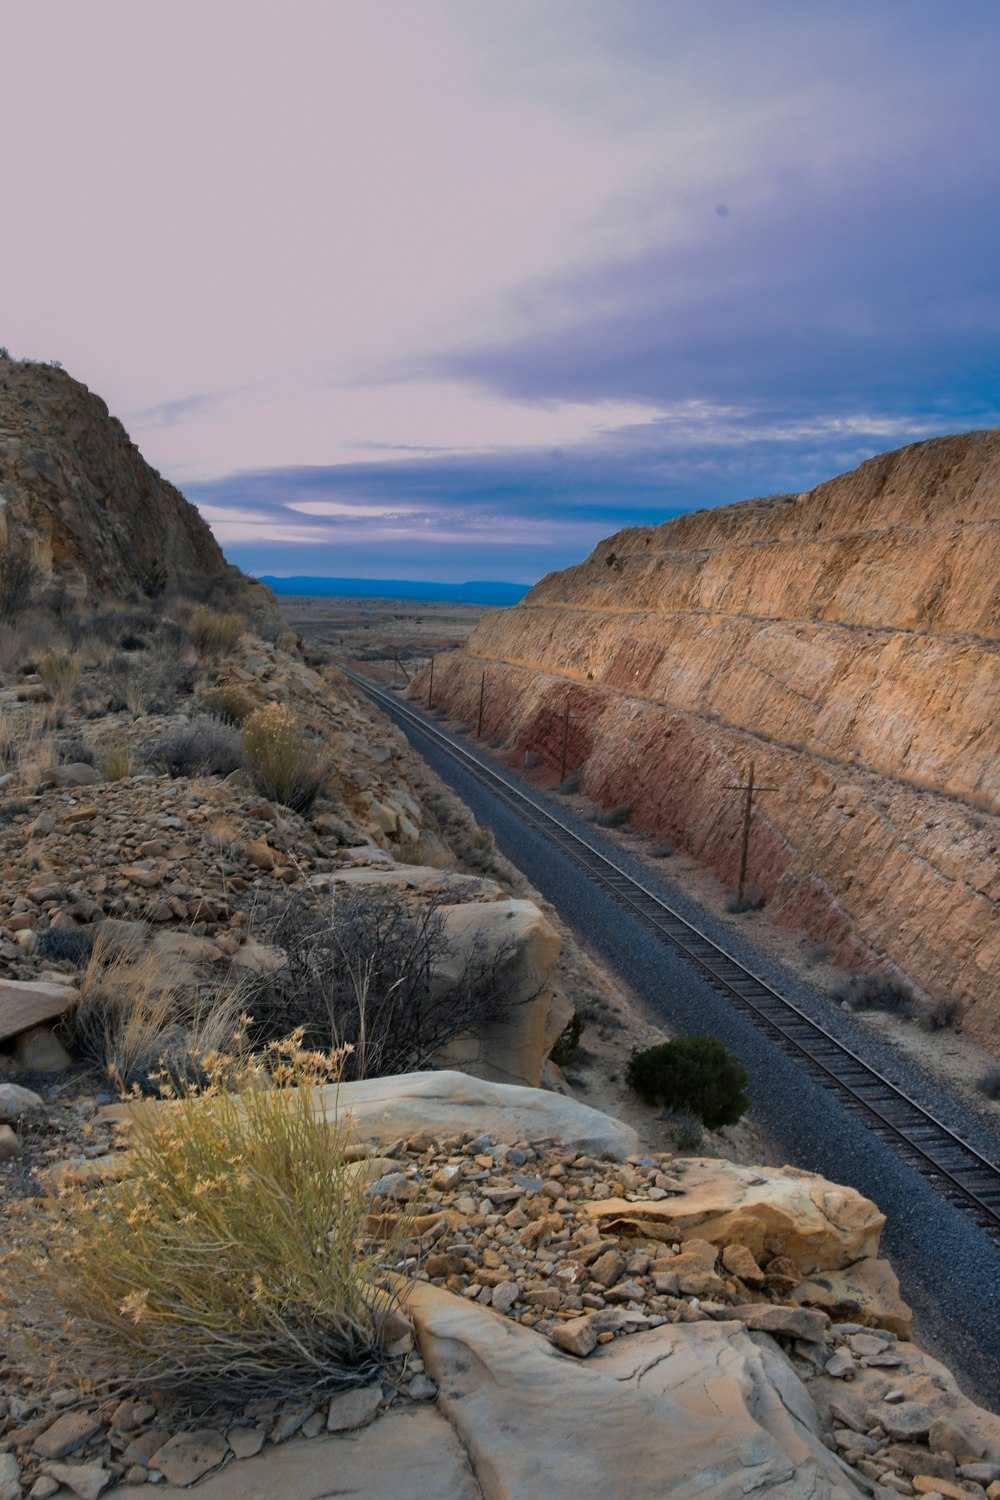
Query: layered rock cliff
[846, 641]
[80, 502]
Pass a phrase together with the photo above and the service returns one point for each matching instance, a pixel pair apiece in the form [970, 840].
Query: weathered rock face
[846, 641]
[77, 497]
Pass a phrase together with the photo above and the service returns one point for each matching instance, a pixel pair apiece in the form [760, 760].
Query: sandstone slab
[682, 1411]
[866, 1292]
[411, 1452]
[780, 1211]
[446, 1103]
[28, 1002]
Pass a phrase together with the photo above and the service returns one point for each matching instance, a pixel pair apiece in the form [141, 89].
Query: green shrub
[283, 763]
[695, 1074]
[230, 1263]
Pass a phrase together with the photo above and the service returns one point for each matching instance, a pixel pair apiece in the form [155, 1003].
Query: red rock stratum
[846, 640]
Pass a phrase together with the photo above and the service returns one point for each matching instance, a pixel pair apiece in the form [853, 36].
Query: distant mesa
[485, 592]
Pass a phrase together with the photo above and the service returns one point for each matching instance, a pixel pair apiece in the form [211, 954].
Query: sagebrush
[284, 763]
[230, 1263]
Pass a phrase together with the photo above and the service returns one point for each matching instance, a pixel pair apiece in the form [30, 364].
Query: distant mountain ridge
[482, 592]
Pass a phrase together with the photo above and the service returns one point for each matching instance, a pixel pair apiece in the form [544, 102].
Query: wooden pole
[482, 694]
[395, 670]
[430, 687]
[565, 747]
[747, 810]
[749, 789]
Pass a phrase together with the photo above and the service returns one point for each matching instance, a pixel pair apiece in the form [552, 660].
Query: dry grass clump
[214, 633]
[284, 764]
[60, 677]
[113, 757]
[229, 702]
[230, 1263]
[28, 743]
[134, 1019]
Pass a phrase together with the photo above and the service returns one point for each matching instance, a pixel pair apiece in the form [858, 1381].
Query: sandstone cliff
[77, 497]
[846, 641]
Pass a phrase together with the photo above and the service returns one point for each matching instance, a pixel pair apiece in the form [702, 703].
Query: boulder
[778, 1210]
[513, 1047]
[28, 1002]
[866, 1292]
[446, 1103]
[684, 1410]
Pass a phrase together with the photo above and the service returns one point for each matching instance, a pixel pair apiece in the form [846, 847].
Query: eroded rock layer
[845, 640]
[78, 500]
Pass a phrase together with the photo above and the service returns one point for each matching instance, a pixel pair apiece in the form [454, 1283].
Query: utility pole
[749, 789]
[565, 746]
[430, 687]
[399, 664]
[482, 695]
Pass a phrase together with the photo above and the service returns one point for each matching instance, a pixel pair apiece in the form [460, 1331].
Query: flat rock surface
[677, 1413]
[411, 1453]
[445, 1103]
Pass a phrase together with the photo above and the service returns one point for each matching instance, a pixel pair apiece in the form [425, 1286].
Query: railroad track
[957, 1170]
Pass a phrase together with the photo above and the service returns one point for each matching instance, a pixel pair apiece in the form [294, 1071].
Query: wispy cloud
[483, 283]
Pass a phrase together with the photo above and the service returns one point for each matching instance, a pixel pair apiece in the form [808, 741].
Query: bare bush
[879, 991]
[989, 1083]
[938, 1014]
[751, 898]
[201, 747]
[611, 817]
[365, 974]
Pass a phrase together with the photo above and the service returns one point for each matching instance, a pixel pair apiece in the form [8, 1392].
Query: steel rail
[954, 1166]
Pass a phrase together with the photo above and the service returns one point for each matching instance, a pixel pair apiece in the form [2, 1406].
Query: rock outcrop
[846, 641]
[78, 500]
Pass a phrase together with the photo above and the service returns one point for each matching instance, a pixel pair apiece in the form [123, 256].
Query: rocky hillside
[845, 641]
[80, 502]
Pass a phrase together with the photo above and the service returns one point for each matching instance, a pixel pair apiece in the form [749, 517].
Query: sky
[452, 289]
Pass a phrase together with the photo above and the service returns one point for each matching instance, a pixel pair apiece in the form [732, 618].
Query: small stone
[739, 1261]
[607, 1268]
[908, 1421]
[289, 1423]
[577, 1336]
[67, 1433]
[16, 1102]
[505, 1295]
[313, 1425]
[40, 1051]
[246, 1442]
[189, 1455]
[946, 1435]
[352, 1409]
[86, 1480]
[421, 1389]
[840, 1365]
[43, 1488]
[10, 1146]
